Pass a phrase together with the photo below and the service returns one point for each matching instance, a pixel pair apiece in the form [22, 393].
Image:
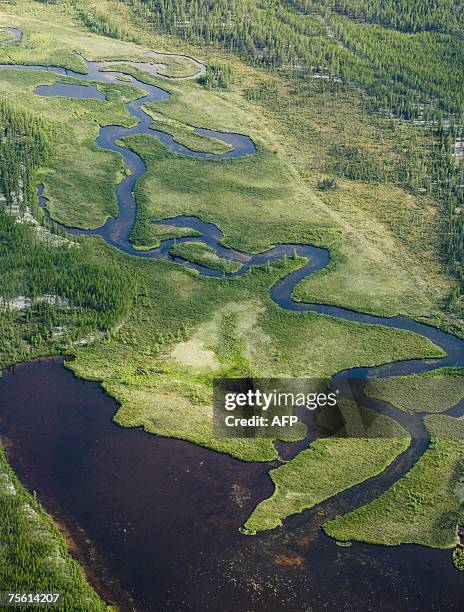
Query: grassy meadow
[186, 329]
[423, 507]
[431, 392]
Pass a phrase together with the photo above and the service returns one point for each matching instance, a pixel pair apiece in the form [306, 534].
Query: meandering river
[155, 521]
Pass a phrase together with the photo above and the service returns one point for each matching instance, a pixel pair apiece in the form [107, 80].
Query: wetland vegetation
[305, 80]
[423, 507]
[320, 471]
[432, 392]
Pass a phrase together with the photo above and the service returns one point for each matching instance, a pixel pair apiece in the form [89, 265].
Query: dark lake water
[156, 521]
